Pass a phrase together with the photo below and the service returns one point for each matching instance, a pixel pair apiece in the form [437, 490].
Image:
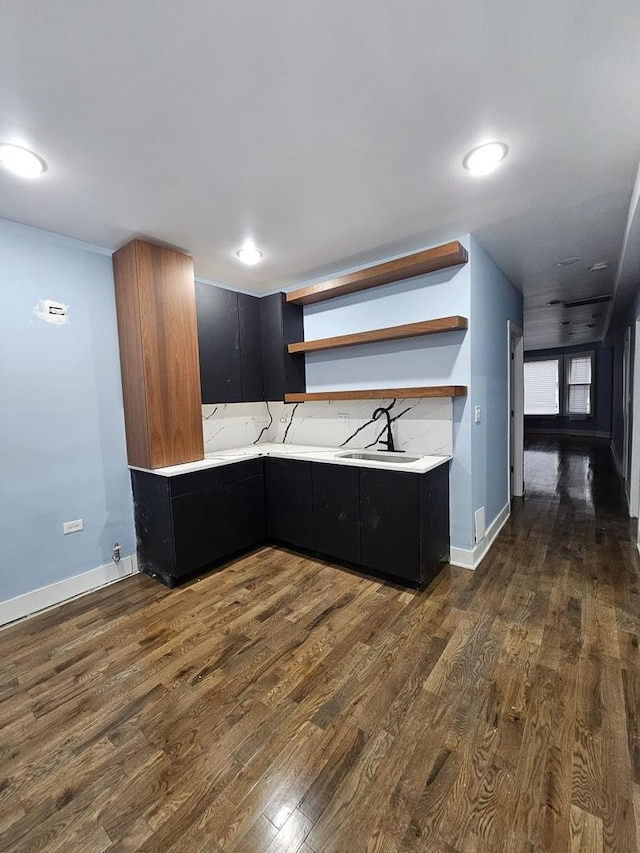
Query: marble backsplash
[419, 425]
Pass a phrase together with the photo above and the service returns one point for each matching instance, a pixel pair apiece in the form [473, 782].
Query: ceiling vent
[577, 303]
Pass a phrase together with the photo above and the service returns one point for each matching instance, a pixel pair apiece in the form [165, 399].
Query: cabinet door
[219, 343]
[390, 529]
[281, 324]
[199, 529]
[336, 511]
[289, 501]
[434, 520]
[244, 510]
[250, 347]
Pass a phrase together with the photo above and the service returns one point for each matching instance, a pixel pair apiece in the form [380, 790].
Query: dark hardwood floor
[282, 704]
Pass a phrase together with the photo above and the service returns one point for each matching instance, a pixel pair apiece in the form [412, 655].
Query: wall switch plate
[478, 414]
[73, 526]
[283, 419]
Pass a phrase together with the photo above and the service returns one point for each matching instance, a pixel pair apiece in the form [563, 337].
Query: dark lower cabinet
[389, 522]
[187, 522]
[390, 531]
[289, 501]
[404, 522]
[336, 511]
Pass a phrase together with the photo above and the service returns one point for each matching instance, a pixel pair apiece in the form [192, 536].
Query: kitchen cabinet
[336, 511]
[251, 382]
[404, 528]
[390, 532]
[230, 345]
[242, 341]
[281, 324]
[288, 490]
[219, 344]
[186, 522]
[156, 311]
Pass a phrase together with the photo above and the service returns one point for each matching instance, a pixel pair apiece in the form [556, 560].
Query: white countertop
[297, 451]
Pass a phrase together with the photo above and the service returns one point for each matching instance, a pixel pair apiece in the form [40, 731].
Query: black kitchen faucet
[388, 441]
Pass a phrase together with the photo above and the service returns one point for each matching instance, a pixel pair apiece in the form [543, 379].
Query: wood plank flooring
[282, 704]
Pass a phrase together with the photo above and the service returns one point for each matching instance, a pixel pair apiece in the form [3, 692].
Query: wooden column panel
[155, 302]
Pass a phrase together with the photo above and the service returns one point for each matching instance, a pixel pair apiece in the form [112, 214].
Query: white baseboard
[57, 593]
[472, 559]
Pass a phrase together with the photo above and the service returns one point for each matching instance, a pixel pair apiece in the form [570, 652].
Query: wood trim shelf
[379, 393]
[439, 258]
[392, 333]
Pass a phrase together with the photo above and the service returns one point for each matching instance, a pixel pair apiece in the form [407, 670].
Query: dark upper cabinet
[289, 501]
[336, 511]
[390, 524]
[281, 325]
[219, 343]
[242, 341]
[250, 348]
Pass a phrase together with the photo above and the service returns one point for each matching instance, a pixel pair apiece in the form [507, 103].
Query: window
[562, 385]
[542, 387]
[579, 372]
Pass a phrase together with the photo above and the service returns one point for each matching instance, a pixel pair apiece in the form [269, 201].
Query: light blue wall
[494, 301]
[437, 360]
[62, 426]
[477, 359]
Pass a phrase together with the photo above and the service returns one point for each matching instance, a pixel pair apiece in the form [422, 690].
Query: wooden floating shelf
[392, 333]
[439, 258]
[379, 393]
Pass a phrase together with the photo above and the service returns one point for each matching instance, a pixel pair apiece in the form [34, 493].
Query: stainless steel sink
[397, 458]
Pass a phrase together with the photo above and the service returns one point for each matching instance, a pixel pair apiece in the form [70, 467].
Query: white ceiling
[330, 132]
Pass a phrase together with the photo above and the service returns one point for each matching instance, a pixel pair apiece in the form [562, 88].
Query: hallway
[496, 711]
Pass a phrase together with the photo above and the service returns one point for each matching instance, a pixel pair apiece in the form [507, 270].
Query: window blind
[541, 387]
[579, 402]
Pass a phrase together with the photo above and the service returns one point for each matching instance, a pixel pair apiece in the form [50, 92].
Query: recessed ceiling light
[249, 254]
[555, 302]
[485, 158]
[589, 325]
[566, 262]
[21, 162]
[599, 266]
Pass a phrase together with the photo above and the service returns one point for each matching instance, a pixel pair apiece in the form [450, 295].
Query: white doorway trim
[634, 480]
[626, 399]
[515, 412]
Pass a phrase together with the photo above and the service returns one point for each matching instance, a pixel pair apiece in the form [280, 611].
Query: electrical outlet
[73, 526]
[283, 419]
[344, 419]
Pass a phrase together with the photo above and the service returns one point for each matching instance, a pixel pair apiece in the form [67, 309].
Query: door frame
[515, 403]
[626, 374]
[634, 479]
